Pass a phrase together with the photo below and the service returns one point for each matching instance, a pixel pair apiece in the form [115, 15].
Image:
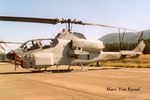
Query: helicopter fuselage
[42, 53]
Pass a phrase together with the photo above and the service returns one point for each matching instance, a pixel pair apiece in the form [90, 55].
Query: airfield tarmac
[96, 84]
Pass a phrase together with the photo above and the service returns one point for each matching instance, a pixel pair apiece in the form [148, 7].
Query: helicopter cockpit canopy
[39, 44]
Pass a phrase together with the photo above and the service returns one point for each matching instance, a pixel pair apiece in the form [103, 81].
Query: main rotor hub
[69, 23]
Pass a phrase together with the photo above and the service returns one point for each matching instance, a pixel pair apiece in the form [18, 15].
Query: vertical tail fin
[140, 46]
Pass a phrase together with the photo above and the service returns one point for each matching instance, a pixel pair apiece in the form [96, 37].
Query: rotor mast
[69, 25]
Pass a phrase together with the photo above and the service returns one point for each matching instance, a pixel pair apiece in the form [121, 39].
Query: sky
[132, 14]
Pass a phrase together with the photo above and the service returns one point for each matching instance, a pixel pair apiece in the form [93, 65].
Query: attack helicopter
[67, 48]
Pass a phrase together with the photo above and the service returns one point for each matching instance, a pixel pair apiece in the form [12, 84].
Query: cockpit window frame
[39, 43]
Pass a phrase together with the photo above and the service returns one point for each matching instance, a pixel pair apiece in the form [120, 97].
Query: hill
[128, 37]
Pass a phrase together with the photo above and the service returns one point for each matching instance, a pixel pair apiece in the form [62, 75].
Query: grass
[141, 62]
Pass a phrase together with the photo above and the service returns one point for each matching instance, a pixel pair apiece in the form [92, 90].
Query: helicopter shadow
[35, 72]
[55, 71]
[114, 68]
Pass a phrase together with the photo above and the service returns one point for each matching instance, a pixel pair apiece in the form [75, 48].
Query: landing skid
[82, 68]
[39, 70]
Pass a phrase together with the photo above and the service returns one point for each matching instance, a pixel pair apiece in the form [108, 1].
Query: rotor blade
[2, 47]
[101, 25]
[28, 19]
[54, 21]
[93, 24]
[10, 42]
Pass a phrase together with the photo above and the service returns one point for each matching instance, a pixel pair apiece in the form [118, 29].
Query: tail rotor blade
[141, 36]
